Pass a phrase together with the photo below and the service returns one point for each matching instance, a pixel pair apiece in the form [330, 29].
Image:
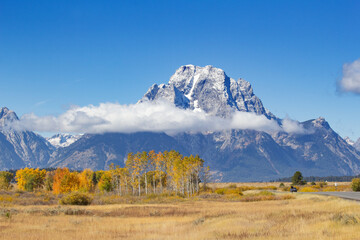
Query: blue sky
[55, 54]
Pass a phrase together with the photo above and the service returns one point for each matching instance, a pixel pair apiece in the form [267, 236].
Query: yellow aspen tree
[86, 180]
[130, 165]
[144, 163]
[136, 170]
[152, 167]
[105, 182]
[30, 179]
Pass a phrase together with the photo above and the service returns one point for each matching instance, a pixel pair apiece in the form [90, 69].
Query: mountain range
[233, 155]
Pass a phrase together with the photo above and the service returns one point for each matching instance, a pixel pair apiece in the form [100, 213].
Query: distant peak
[320, 121]
[7, 114]
[3, 111]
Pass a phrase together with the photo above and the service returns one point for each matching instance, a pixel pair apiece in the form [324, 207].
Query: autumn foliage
[5, 179]
[30, 179]
[65, 181]
[143, 173]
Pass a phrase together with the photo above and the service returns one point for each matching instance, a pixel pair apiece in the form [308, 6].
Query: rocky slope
[21, 148]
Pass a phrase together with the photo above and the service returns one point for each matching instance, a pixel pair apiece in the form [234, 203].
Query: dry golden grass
[305, 217]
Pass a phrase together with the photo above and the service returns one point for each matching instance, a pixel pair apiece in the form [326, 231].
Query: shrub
[266, 193]
[267, 188]
[355, 184]
[220, 191]
[76, 198]
[286, 189]
[246, 188]
[308, 189]
[5, 179]
[329, 189]
[234, 191]
[313, 183]
[206, 189]
[282, 185]
[322, 184]
[227, 191]
[346, 219]
[232, 185]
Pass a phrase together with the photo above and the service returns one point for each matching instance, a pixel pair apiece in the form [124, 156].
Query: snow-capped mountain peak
[7, 116]
[63, 139]
[321, 122]
[207, 89]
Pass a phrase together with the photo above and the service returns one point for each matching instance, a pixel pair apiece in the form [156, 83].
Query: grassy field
[254, 215]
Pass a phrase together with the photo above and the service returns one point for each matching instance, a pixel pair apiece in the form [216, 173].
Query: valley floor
[304, 217]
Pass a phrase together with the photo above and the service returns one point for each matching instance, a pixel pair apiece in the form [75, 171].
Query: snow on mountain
[63, 139]
[207, 89]
[7, 117]
[349, 141]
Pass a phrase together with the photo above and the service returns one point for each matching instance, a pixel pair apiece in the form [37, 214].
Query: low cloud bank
[350, 81]
[154, 117]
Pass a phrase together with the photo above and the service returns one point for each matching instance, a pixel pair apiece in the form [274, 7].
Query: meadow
[223, 211]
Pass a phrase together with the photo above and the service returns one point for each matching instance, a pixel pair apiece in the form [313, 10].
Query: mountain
[357, 145]
[233, 155]
[207, 89]
[63, 139]
[323, 152]
[21, 148]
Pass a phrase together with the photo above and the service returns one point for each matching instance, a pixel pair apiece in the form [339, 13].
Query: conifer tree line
[144, 173]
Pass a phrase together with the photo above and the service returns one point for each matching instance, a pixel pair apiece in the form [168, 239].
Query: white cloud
[350, 81]
[292, 126]
[147, 116]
